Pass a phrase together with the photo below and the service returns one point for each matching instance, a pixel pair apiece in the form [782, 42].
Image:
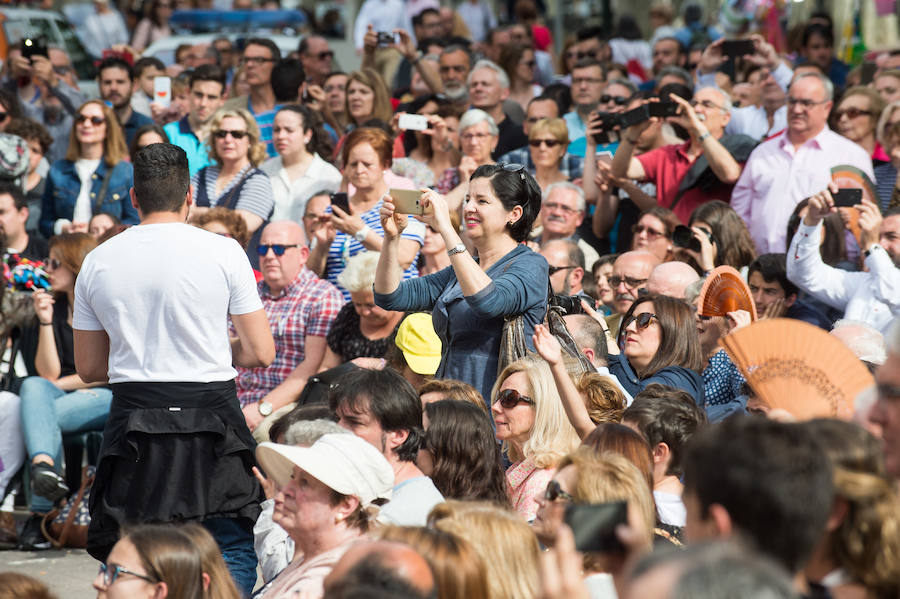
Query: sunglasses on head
[619, 100]
[278, 248]
[554, 492]
[510, 398]
[223, 133]
[512, 167]
[550, 143]
[96, 120]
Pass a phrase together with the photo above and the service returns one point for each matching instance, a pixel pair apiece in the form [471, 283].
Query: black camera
[608, 121]
[34, 46]
[683, 237]
[571, 304]
[385, 38]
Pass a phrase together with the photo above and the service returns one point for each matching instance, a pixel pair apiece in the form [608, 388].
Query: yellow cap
[419, 343]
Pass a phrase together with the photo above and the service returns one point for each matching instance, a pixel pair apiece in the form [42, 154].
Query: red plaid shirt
[306, 307]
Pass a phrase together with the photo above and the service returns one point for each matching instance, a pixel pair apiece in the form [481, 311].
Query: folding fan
[798, 367]
[725, 291]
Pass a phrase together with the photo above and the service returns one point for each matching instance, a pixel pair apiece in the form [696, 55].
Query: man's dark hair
[208, 72]
[18, 196]
[819, 29]
[544, 98]
[161, 178]
[303, 46]
[389, 398]
[667, 415]
[682, 91]
[145, 63]
[489, 37]
[460, 48]
[560, 92]
[417, 19]
[588, 62]
[287, 77]
[29, 129]
[115, 62]
[266, 43]
[773, 479]
[589, 33]
[426, 42]
[668, 38]
[773, 268]
[372, 578]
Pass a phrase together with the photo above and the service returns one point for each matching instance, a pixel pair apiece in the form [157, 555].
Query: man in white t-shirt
[150, 317]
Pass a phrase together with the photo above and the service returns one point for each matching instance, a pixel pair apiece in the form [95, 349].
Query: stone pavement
[68, 572]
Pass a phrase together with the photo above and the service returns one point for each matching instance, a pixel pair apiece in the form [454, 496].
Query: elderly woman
[93, 177]
[470, 300]
[478, 136]
[234, 181]
[532, 426]
[328, 495]
[361, 329]
[888, 174]
[366, 155]
[548, 140]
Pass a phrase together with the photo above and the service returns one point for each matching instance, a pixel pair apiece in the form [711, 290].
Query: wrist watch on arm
[264, 407]
[362, 233]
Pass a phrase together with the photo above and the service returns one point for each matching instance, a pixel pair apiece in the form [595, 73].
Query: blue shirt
[181, 135]
[572, 166]
[722, 381]
[265, 120]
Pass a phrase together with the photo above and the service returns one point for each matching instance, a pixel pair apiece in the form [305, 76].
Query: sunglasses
[651, 233]
[327, 55]
[629, 282]
[554, 492]
[851, 113]
[223, 133]
[642, 320]
[619, 100]
[3, 116]
[96, 120]
[556, 269]
[550, 143]
[111, 574]
[510, 398]
[278, 248]
[52, 264]
[512, 167]
[529, 63]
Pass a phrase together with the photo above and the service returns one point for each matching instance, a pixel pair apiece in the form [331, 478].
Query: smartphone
[341, 200]
[407, 201]
[847, 197]
[604, 156]
[34, 46]
[737, 48]
[635, 116]
[386, 38]
[662, 109]
[413, 122]
[162, 91]
[868, 73]
[594, 525]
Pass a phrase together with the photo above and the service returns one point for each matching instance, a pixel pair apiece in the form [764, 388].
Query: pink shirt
[777, 177]
[526, 482]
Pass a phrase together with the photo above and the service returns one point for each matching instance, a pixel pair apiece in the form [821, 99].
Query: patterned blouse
[346, 339]
[722, 381]
[526, 482]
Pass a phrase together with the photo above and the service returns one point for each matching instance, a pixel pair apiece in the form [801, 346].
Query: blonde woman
[532, 425]
[234, 180]
[506, 545]
[547, 142]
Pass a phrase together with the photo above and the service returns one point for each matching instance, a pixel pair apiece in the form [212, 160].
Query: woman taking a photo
[470, 300]
[299, 170]
[723, 237]
[95, 175]
[434, 152]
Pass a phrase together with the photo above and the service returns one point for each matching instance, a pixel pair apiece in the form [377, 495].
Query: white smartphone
[407, 201]
[162, 91]
[604, 156]
[413, 122]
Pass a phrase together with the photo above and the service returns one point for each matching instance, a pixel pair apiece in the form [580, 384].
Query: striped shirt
[344, 246]
[256, 195]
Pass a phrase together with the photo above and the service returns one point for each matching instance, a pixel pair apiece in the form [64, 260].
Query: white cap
[344, 463]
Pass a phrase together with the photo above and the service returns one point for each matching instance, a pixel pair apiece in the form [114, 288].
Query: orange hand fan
[798, 367]
[725, 291]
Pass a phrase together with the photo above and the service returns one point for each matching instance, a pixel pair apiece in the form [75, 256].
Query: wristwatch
[703, 137]
[265, 408]
[362, 233]
[459, 248]
[871, 249]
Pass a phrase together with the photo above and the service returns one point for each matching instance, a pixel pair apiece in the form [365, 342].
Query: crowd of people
[508, 388]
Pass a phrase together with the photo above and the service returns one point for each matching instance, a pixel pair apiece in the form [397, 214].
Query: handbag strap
[86, 482]
[104, 187]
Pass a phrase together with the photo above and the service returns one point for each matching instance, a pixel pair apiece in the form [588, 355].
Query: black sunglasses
[223, 133]
[278, 248]
[551, 143]
[96, 120]
[510, 398]
[52, 264]
[555, 269]
[642, 320]
[619, 100]
[554, 492]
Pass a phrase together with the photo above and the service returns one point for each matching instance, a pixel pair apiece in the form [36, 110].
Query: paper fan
[798, 367]
[725, 291]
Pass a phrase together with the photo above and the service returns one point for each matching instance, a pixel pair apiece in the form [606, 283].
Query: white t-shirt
[163, 293]
[670, 508]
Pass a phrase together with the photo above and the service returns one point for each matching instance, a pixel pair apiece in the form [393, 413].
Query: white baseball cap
[343, 462]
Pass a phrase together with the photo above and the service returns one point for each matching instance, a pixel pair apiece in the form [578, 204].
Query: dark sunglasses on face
[223, 133]
[642, 320]
[327, 55]
[550, 143]
[52, 263]
[619, 100]
[851, 113]
[3, 116]
[96, 120]
[510, 398]
[629, 282]
[278, 248]
[554, 492]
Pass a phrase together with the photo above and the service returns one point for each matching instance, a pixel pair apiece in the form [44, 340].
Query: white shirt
[670, 508]
[777, 177]
[383, 15]
[83, 210]
[871, 297]
[478, 17]
[291, 196]
[411, 502]
[163, 294]
[752, 120]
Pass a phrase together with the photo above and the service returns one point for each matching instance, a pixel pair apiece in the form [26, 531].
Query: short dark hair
[161, 178]
[561, 93]
[372, 578]
[208, 72]
[773, 269]
[817, 29]
[589, 32]
[774, 480]
[514, 189]
[417, 19]
[586, 63]
[287, 77]
[30, 129]
[265, 43]
[18, 196]
[303, 46]
[389, 398]
[544, 98]
[667, 415]
[145, 63]
[115, 62]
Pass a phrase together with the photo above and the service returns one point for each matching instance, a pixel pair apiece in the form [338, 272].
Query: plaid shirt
[306, 307]
[571, 166]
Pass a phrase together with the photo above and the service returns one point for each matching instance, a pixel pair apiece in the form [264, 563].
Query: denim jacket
[63, 187]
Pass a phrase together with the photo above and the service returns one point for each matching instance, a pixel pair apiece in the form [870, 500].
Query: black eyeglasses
[642, 320]
[554, 492]
[629, 282]
[223, 133]
[619, 100]
[278, 248]
[512, 167]
[510, 398]
[556, 269]
[256, 60]
[96, 120]
[110, 574]
[550, 143]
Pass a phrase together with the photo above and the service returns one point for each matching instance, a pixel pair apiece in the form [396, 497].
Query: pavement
[68, 572]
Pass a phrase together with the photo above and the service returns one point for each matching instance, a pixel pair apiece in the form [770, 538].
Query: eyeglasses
[334, 88]
[512, 167]
[708, 104]
[110, 574]
[804, 104]
[554, 492]
[474, 136]
[588, 54]
[642, 320]
[561, 208]
[510, 398]
[851, 113]
[619, 100]
[256, 60]
[223, 133]
[651, 233]
[278, 248]
[555, 269]
[586, 81]
[327, 55]
[550, 143]
[529, 63]
[51, 264]
[96, 120]
[62, 69]
[629, 282]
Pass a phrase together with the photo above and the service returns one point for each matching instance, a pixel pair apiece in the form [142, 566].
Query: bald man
[631, 272]
[300, 307]
[376, 565]
[671, 278]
